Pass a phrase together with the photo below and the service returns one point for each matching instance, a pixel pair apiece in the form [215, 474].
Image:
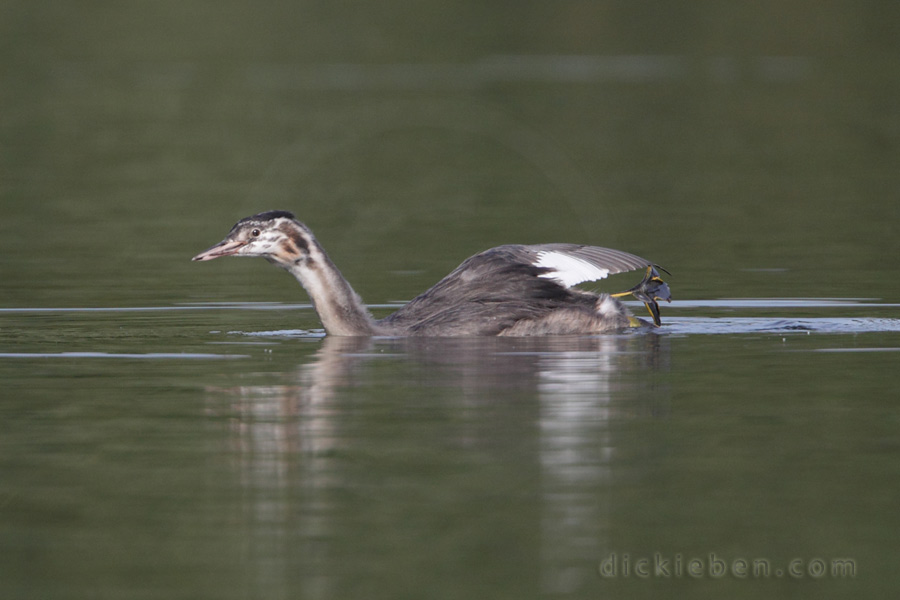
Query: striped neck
[340, 309]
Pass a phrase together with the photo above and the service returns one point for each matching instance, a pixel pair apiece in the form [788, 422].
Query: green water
[182, 430]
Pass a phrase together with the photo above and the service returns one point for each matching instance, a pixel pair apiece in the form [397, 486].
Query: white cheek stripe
[568, 270]
[266, 243]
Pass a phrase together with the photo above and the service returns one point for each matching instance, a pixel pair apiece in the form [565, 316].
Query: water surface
[141, 459]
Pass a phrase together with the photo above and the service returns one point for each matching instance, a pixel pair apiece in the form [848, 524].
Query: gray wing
[492, 290]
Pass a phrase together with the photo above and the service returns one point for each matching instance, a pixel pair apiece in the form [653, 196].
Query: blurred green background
[751, 149]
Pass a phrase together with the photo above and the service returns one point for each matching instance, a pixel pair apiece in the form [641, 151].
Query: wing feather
[571, 264]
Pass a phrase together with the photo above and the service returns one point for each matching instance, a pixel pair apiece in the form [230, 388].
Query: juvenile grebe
[509, 290]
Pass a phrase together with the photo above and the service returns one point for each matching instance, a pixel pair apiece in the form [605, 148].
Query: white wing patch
[568, 270]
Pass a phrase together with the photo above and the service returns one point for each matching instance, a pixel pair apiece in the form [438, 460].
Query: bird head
[276, 236]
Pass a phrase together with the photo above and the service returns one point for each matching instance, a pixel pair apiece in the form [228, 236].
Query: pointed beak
[224, 248]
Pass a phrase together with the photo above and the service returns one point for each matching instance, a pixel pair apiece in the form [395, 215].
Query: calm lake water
[180, 430]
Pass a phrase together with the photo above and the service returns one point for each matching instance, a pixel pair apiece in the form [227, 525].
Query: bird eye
[255, 233]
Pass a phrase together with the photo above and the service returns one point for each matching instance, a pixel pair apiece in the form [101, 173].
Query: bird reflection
[543, 405]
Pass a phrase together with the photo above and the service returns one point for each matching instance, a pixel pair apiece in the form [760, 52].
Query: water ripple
[140, 356]
[725, 325]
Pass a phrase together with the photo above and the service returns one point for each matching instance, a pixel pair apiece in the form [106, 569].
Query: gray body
[499, 292]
